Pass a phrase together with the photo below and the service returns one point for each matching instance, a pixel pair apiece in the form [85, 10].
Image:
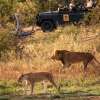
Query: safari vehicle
[48, 21]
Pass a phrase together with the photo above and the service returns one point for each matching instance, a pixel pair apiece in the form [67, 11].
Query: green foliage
[8, 87]
[93, 17]
[70, 87]
[6, 43]
[5, 8]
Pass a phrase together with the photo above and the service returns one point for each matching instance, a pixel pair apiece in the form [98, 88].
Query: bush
[93, 17]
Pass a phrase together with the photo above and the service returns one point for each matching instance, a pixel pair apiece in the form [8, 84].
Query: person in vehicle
[72, 5]
[89, 4]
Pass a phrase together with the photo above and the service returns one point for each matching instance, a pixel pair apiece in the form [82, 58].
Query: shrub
[93, 17]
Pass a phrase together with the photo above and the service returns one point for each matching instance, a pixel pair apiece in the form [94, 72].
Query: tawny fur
[37, 77]
[67, 57]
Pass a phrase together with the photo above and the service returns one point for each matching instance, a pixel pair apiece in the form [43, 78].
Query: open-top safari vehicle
[48, 21]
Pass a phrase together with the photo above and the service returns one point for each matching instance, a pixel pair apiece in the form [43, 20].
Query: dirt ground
[48, 97]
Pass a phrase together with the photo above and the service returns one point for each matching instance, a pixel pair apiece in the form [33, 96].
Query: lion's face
[58, 55]
[20, 79]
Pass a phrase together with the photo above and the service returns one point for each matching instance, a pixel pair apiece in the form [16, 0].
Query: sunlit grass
[71, 87]
[36, 57]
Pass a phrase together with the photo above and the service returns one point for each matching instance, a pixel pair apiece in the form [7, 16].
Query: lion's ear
[64, 51]
[58, 51]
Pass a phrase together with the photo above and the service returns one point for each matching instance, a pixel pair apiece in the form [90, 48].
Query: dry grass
[40, 47]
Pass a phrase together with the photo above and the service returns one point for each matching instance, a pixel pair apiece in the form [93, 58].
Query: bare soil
[47, 97]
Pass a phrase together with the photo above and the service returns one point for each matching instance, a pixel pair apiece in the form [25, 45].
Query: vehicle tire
[47, 26]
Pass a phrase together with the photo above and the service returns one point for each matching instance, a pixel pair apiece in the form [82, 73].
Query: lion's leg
[67, 65]
[93, 63]
[44, 86]
[25, 86]
[52, 81]
[32, 87]
[95, 66]
[85, 65]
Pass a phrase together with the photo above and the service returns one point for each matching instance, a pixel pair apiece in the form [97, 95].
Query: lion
[67, 58]
[31, 78]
